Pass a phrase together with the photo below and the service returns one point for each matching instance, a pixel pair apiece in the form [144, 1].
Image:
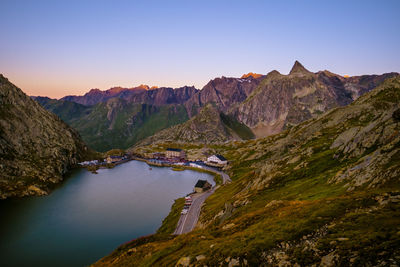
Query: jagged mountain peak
[298, 68]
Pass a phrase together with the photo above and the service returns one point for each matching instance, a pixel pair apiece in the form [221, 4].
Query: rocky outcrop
[36, 147]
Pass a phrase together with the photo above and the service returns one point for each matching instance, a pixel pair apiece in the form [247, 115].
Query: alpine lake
[89, 215]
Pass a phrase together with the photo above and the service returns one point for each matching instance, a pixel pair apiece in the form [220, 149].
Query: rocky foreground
[36, 147]
[323, 193]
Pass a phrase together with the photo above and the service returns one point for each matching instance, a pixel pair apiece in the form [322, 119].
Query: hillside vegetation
[324, 192]
[116, 123]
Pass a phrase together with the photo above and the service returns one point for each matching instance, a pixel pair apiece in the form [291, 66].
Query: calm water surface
[90, 214]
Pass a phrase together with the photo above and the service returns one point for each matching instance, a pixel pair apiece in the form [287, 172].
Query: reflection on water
[90, 214]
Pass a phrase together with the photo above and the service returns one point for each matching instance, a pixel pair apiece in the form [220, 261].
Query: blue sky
[56, 48]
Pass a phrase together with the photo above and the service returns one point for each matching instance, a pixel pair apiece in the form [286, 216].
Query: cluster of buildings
[176, 156]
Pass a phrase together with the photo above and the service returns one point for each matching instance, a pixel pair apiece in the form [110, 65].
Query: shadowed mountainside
[36, 147]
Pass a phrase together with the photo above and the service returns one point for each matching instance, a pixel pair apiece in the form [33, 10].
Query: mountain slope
[281, 101]
[117, 123]
[36, 147]
[209, 126]
[325, 192]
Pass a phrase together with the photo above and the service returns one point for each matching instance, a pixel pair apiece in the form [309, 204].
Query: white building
[217, 159]
[194, 165]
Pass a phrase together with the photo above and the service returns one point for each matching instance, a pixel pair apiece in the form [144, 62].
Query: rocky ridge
[142, 94]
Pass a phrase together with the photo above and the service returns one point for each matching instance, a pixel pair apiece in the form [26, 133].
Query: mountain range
[259, 105]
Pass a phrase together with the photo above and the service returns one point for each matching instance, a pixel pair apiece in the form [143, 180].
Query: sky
[57, 48]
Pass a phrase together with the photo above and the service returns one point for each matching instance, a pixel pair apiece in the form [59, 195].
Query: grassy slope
[129, 124]
[239, 128]
[288, 202]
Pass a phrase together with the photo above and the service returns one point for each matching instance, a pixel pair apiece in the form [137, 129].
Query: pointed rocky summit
[298, 68]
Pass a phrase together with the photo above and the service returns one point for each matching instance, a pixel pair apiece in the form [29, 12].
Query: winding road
[187, 222]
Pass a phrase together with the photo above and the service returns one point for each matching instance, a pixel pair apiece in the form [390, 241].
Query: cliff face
[325, 192]
[223, 93]
[281, 101]
[36, 147]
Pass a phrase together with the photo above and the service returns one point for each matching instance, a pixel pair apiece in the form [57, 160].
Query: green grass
[130, 123]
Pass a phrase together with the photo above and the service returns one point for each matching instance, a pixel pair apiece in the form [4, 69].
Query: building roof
[201, 183]
[221, 158]
[174, 149]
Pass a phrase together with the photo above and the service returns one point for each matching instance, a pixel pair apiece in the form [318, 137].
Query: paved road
[225, 177]
[188, 221]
